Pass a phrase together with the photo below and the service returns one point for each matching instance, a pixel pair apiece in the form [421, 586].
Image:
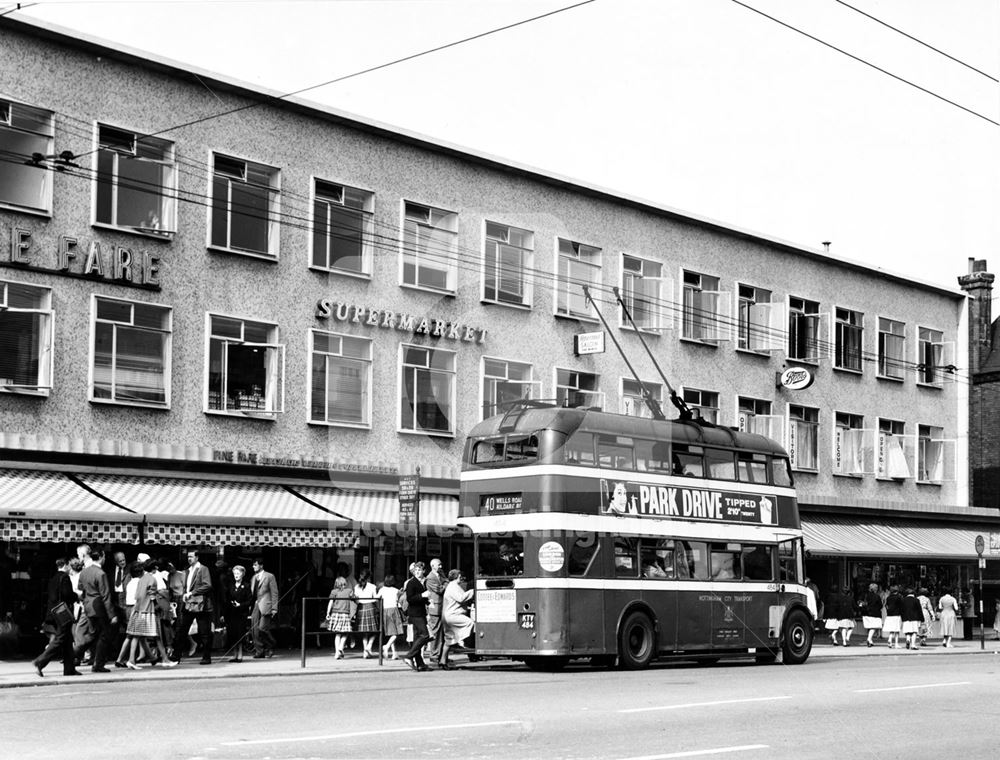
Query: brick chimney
[978, 283]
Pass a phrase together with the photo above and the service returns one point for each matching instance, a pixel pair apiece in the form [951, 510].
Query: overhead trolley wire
[861, 60]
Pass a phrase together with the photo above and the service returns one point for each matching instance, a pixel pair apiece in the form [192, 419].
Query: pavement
[20, 673]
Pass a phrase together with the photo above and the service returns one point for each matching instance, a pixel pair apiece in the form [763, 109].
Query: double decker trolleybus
[624, 539]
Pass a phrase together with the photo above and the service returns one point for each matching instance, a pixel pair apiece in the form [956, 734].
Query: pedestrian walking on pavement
[236, 611]
[871, 613]
[338, 615]
[416, 612]
[893, 617]
[948, 609]
[455, 615]
[928, 612]
[832, 611]
[996, 620]
[98, 607]
[912, 616]
[392, 621]
[846, 621]
[968, 614]
[197, 608]
[366, 618]
[58, 623]
[264, 598]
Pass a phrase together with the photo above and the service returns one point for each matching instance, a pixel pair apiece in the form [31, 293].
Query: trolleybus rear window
[502, 557]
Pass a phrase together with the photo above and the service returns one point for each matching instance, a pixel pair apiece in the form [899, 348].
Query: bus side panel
[587, 623]
[694, 619]
[728, 616]
[758, 616]
[663, 603]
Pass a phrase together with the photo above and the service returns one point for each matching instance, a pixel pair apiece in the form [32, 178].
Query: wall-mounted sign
[796, 378]
[114, 263]
[398, 320]
[588, 343]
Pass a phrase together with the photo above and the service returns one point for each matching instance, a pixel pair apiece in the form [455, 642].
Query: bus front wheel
[797, 640]
[636, 645]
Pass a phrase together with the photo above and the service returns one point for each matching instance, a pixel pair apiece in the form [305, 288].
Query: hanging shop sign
[398, 320]
[796, 378]
[588, 343]
[72, 258]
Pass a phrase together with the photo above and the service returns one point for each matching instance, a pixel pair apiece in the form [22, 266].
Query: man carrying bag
[59, 622]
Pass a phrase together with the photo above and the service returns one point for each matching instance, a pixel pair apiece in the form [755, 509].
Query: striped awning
[380, 509]
[53, 495]
[231, 503]
[890, 538]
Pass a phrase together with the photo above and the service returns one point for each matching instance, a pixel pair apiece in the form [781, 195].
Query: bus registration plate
[496, 606]
[526, 621]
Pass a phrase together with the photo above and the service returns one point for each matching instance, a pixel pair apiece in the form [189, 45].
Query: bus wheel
[797, 639]
[635, 642]
[546, 664]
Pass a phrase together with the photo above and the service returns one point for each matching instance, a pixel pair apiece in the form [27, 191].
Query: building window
[244, 207]
[848, 345]
[642, 292]
[430, 247]
[633, 400]
[755, 321]
[803, 437]
[505, 383]
[935, 455]
[848, 444]
[26, 338]
[507, 265]
[704, 404]
[705, 314]
[131, 353]
[754, 416]
[343, 230]
[136, 181]
[26, 143]
[892, 453]
[804, 330]
[579, 265]
[246, 368]
[340, 391]
[891, 346]
[934, 360]
[578, 389]
[427, 400]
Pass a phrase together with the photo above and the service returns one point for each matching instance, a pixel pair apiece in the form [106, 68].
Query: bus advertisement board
[627, 497]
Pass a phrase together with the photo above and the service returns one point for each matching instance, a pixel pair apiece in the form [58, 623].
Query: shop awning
[381, 508]
[889, 538]
[182, 511]
[56, 507]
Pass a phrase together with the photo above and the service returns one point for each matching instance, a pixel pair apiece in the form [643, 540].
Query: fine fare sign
[632, 499]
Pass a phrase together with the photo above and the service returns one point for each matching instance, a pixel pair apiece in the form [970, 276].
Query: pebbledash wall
[465, 293]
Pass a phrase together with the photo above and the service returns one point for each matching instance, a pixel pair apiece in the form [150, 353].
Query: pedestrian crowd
[434, 610]
[900, 611]
[150, 613]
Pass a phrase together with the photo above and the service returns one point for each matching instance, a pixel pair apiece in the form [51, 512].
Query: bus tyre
[797, 638]
[636, 642]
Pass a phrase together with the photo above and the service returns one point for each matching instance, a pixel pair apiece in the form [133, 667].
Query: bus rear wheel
[636, 642]
[797, 639]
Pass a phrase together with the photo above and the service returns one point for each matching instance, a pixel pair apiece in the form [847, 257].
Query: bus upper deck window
[487, 452]
[688, 460]
[652, 456]
[781, 473]
[751, 468]
[520, 448]
[615, 452]
[719, 464]
[579, 449]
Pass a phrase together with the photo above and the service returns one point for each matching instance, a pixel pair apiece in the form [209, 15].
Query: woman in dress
[366, 596]
[871, 613]
[236, 610]
[948, 608]
[832, 611]
[338, 615]
[131, 586]
[913, 616]
[455, 615]
[144, 622]
[392, 621]
[893, 617]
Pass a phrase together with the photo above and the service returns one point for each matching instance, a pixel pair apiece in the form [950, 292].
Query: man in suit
[118, 578]
[264, 593]
[435, 583]
[61, 634]
[98, 607]
[196, 606]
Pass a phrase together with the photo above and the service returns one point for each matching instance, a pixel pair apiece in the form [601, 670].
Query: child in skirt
[392, 621]
[338, 615]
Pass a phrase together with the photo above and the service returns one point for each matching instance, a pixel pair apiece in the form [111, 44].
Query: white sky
[701, 105]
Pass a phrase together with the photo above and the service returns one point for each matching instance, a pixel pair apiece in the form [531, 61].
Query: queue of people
[895, 612]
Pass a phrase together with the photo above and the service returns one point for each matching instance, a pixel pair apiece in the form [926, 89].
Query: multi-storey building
[235, 320]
